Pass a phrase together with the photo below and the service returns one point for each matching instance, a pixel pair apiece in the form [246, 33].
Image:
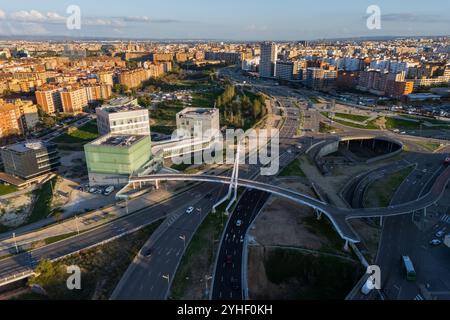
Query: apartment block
[49, 99]
[74, 100]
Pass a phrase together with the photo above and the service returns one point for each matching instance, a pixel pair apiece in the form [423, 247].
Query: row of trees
[241, 109]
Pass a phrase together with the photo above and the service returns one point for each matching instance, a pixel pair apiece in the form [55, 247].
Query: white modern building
[199, 122]
[267, 65]
[123, 116]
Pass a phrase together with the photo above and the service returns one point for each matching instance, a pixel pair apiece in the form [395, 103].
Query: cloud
[2, 14]
[24, 28]
[36, 17]
[411, 17]
[255, 28]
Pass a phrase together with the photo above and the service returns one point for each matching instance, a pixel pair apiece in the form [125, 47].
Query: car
[229, 259]
[435, 242]
[148, 253]
[440, 234]
[189, 210]
[108, 191]
[209, 196]
[234, 283]
[242, 239]
[238, 223]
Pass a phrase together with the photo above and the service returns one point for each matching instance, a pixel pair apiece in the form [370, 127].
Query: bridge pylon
[232, 190]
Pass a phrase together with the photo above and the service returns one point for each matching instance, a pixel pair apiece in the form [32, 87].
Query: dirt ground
[14, 212]
[284, 220]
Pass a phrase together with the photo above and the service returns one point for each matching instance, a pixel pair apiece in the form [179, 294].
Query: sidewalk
[84, 222]
[89, 220]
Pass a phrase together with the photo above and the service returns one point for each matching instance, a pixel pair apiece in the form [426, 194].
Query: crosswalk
[446, 218]
[419, 298]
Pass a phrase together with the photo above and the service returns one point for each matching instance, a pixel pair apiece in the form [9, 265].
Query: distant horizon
[235, 20]
[114, 39]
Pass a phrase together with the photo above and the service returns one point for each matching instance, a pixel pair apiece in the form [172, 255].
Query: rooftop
[197, 111]
[121, 104]
[27, 146]
[118, 140]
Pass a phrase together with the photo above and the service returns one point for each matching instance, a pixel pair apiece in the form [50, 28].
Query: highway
[401, 236]
[27, 261]
[144, 280]
[229, 275]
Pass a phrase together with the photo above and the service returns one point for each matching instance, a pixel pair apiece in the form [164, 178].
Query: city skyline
[247, 21]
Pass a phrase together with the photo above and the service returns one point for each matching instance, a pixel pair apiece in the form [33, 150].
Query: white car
[435, 242]
[440, 234]
[238, 223]
[189, 210]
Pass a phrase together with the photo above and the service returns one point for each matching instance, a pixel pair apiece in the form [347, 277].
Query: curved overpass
[338, 216]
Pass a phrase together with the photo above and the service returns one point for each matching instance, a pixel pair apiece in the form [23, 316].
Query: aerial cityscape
[190, 152]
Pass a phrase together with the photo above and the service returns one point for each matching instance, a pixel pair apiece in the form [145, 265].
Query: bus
[409, 268]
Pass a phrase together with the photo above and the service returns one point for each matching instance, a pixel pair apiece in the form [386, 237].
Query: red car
[229, 260]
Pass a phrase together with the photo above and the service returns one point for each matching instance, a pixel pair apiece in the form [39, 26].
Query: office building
[31, 159]
[267, 65]
[199, 122]
[287, 70]
[123, 116]
[111, 159]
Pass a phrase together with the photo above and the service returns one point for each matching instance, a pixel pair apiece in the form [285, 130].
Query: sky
[226, 20]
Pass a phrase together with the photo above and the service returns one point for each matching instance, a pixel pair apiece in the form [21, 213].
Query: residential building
[267, 65]
[28, 160]
[74, 100]
[133, 78]
[49, 99]
[10, 120]
[287, 70]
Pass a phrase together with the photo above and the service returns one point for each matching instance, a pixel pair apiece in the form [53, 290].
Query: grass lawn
[102, 267]
[430, 146]
[4, 189]
[314, 100]
[58, 238]
[198, 258]
[205, 99]
[42, 204]
[307, 276]
[84, 134]
[381, 192]
[293, 170]
[370, 125]
[323, 227]
[353, 117]
[326, 128]
[393, 123]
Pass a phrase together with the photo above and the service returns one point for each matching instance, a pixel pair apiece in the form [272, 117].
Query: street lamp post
[167, 277]
[183, 237]
[15, 242]
[76, 224]
[207, 278]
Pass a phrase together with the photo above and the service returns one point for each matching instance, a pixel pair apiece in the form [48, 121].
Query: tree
[120, 88]
[256, 109]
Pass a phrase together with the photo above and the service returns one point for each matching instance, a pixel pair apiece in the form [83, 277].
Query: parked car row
[104, 190]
